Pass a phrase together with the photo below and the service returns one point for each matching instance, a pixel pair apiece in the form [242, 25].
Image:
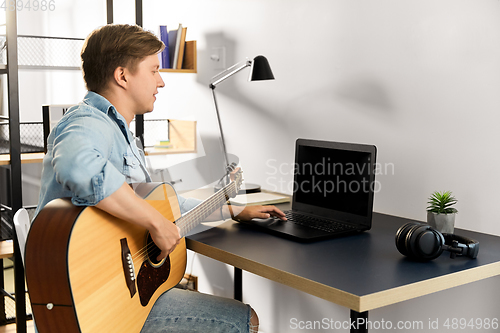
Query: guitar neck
[198, 214]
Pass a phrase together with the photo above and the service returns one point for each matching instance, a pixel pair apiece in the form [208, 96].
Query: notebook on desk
[260, 198]
[333, 191]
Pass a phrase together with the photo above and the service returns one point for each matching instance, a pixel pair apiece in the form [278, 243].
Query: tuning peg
[231, 167]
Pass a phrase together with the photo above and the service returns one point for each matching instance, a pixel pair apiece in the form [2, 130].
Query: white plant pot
[444, 223]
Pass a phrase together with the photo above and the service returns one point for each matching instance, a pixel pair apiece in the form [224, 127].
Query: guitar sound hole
[153, 252]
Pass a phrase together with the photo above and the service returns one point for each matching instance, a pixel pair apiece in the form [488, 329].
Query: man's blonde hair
[112, 46]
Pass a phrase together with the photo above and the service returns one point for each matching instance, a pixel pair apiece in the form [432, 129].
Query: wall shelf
[169, 70]
[189, 64]
[182, 136]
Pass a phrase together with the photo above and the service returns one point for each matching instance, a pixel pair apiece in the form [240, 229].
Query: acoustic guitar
[88, 271]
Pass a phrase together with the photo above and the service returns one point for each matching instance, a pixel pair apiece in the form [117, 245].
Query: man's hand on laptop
[260, 212]
[254, 212]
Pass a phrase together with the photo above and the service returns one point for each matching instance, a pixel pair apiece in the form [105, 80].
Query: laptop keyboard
[316, 223]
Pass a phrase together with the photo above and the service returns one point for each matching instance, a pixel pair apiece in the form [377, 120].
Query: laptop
[333, 192]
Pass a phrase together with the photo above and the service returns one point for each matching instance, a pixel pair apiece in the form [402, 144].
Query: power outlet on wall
[218, 57]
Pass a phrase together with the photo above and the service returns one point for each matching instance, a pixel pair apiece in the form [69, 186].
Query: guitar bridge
[152, 273]
[128, 267]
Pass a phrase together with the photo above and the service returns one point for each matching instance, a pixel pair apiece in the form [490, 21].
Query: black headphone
[420, 241]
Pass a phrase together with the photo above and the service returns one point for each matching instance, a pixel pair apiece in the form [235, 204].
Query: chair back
[22, 225]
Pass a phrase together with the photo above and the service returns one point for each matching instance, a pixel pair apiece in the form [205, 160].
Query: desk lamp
[260, 70]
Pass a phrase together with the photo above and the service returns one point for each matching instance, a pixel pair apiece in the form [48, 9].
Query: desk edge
[317, 289]
[426, 287]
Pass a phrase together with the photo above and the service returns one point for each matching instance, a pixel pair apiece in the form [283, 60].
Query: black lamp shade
[261, 69]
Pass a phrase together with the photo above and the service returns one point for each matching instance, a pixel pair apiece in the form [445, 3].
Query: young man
[92, 157]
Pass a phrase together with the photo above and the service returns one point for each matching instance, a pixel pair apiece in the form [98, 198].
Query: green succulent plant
[441, 203]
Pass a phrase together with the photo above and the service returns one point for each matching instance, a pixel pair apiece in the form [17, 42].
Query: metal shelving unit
[15, 182]
[43, 52]
[17, 53]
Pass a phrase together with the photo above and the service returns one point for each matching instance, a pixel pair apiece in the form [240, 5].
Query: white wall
[416, 78]
[419, 79]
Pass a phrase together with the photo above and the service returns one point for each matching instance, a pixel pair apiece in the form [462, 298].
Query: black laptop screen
[334, 179]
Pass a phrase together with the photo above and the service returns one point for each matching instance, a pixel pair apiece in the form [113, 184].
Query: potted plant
[440, 212]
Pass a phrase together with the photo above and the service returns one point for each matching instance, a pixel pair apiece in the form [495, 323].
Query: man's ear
[120, 76]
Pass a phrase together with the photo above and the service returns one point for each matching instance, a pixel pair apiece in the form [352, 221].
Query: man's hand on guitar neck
[127, 206]
[233, 173]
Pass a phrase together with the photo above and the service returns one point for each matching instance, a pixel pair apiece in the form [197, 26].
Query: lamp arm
[220, 125]
[230, 73]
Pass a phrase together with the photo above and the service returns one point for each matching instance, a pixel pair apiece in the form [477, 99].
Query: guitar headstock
[237, 180]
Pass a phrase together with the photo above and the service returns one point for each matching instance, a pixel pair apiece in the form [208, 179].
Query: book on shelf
[163, 144]
[182, 46]
[165, 54]
[172, 40]
[175, 47]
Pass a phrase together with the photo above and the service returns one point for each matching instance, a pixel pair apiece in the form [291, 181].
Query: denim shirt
[90, 154]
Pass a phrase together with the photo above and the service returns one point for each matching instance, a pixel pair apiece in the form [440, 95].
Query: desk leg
[359, 322]
[238, 284]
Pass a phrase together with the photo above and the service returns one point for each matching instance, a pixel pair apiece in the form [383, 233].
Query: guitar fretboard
[198, 214]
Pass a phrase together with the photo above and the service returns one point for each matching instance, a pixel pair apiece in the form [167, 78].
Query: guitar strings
[199, 213]
[143, 253]
[221, 197]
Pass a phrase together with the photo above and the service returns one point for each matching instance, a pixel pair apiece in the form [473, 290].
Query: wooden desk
[361, 272]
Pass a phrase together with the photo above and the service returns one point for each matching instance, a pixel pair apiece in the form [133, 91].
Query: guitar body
[77, 271]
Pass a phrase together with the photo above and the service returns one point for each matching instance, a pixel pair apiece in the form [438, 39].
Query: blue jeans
[182, 311]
